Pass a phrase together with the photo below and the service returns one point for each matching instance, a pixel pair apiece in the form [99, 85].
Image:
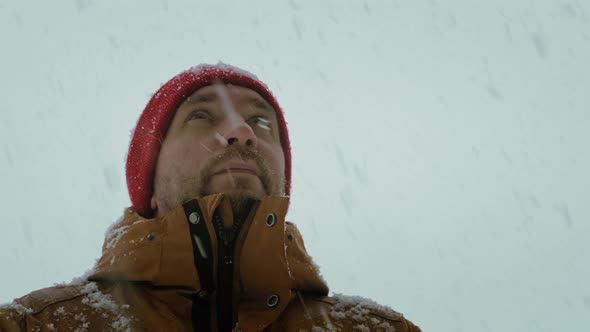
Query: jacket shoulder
[367, 313]
[38, 300]
[65, 308]
[14, 316]
[341, 313]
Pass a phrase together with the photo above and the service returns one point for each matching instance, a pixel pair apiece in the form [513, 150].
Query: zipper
[226, 318]
[226, 238]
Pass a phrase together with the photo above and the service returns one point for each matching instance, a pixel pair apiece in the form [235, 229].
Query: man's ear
[154, 203]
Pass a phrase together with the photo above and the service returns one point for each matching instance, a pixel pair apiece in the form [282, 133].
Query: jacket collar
[271, 260]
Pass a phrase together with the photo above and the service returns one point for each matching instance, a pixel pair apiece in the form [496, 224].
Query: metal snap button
[194, 218]
[271, 219]
[150, 236]
[272, 301]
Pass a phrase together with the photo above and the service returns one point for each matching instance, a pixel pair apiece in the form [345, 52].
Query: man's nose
[237, 132]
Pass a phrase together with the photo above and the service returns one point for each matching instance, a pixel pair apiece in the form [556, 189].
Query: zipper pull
[227, 237]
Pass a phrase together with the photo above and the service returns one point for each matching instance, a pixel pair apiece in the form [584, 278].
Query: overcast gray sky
[440, 147]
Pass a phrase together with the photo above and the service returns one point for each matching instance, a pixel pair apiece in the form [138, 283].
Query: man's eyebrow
[257, 102]
[203, 98]
[213, 96]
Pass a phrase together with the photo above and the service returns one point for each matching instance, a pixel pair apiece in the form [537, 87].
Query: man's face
[222, 139]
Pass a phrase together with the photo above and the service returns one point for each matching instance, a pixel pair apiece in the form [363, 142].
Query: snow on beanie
[156, 118]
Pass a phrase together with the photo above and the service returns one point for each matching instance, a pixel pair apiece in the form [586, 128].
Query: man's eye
[262, 122]
[199, 114]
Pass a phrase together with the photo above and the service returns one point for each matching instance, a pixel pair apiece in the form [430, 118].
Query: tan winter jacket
[198, 268]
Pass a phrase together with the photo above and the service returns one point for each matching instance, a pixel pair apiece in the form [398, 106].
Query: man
[205, 246]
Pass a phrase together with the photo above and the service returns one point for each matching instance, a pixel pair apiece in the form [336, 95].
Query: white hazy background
[441, 148]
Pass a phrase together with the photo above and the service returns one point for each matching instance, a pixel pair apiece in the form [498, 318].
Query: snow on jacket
[198, 269]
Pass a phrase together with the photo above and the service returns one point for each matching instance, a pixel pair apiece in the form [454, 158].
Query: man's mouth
[238, 168]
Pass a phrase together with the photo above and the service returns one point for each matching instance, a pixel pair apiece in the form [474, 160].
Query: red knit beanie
[154, 122]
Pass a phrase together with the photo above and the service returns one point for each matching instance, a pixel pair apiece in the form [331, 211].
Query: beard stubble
[175, 191]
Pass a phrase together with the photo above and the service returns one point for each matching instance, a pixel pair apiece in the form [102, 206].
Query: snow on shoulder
[365, 313]
[105, 303]
[96, 299]
[19, 308]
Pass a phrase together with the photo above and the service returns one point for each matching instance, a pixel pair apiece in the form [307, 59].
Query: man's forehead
[215, 92]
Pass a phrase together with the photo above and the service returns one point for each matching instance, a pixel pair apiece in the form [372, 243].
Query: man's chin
[238, 194]
[248, 187]
[240, 200]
